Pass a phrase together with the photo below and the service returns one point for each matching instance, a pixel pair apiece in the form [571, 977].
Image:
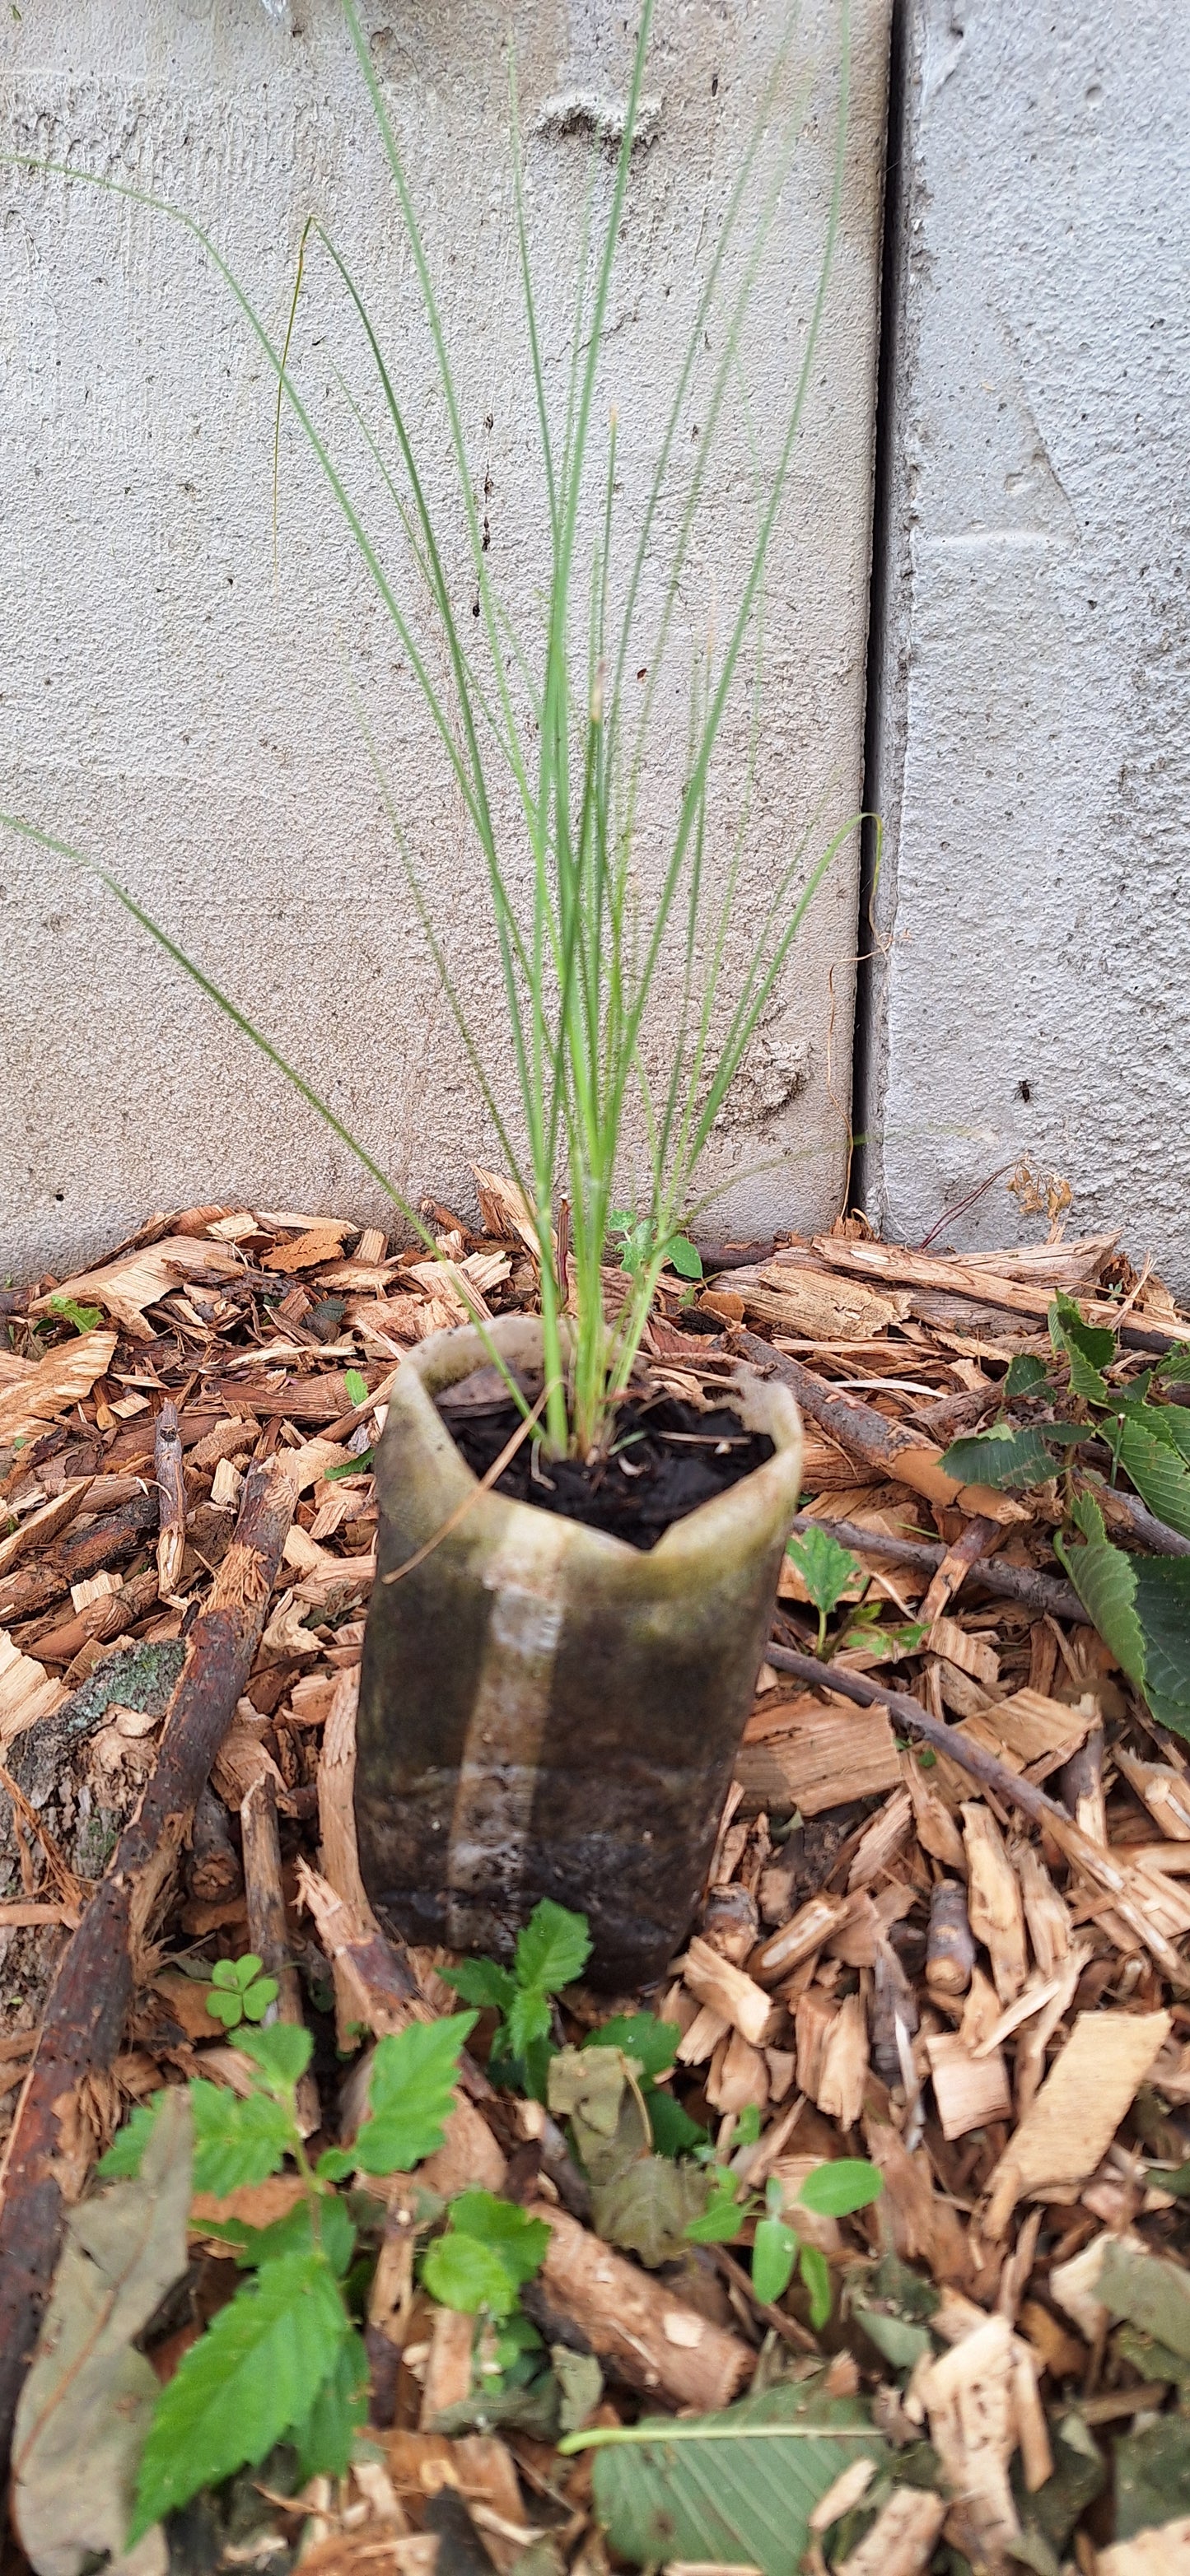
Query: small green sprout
[239, 1992]
[826, 1570]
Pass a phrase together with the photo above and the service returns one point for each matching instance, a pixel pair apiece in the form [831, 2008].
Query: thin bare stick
[1094, 1862]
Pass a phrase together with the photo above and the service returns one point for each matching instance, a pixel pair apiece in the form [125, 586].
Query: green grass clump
[629, 1008]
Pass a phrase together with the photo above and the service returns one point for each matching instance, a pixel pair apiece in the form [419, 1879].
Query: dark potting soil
[666, 1457]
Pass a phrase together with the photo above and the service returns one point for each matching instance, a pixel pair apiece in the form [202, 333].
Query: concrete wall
[1032, 744]
[189, 719]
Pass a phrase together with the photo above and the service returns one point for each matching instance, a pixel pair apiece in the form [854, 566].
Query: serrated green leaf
[296, 2234]
[249, 2380]
[736, 2488]
[334, 2165]
[282, 2053]
[1024, 1374]
[1157, 1470]
[324, 2443]
[1175, 1367]
[1089, 1348]
[461, 2273]
[553, 1949]
[653, 2043]
[529, 2019]
[411, 2093]
[1104, 1579]
[774, 2253]
[123, 2159]
[521, 2242]
[1162, 1603]
[1174, 1422]
[237, 2142]
[1008, 1458]
[835, 2190]
[825, 1567]
[815, 2272]
[356, 1385]
[481, 1982]
[674, 2132]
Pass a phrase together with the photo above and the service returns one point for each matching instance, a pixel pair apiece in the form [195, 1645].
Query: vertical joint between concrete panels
[884, 724]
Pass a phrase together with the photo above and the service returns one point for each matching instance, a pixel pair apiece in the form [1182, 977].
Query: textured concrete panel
[1034, 725]
[190, 716]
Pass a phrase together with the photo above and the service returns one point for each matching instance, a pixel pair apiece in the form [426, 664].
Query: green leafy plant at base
[1141, 1607]
[826, 1569]
[490, 2249]
[551, 1951]
[831, 2191]
[653, 2046]
[67, 1310]
[586, 953]
[283, 2361]
[1140, 1604]
[239, 1992]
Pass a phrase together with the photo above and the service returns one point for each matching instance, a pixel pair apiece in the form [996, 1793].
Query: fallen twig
[30, 1588]
[1011, 1582]
[85, 2018]
[1095, 1862]
[887, 1447]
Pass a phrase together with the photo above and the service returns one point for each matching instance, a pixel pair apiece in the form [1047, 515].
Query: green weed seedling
[826, 1569]
[283, 2361]
[832, 2190]
[239, 1992]
[551, 1952]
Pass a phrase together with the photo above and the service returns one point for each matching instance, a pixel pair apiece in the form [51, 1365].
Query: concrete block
[186, 712]
[1033, 753]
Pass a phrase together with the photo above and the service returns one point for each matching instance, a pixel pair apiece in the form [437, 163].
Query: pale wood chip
[1165, 1792]
[968, 2090]
[968, 2397]
[61, 1379]
[974, 1655]
[806, 1931]
[1068, 2129]
[845, 2064]
[125, 1287]
[1162, 2550]
[27, 1691]
[803, 1755]
[728, 1991]
[994, 1899]
[881, 1841]
[901, 2540]
[322, 1242]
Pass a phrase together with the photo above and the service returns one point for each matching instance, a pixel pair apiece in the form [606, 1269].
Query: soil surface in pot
[666, 1457]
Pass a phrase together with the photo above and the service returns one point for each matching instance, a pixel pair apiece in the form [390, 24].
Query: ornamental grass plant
[629, 1003]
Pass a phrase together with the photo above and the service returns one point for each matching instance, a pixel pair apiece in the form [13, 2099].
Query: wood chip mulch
[983, 1990]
